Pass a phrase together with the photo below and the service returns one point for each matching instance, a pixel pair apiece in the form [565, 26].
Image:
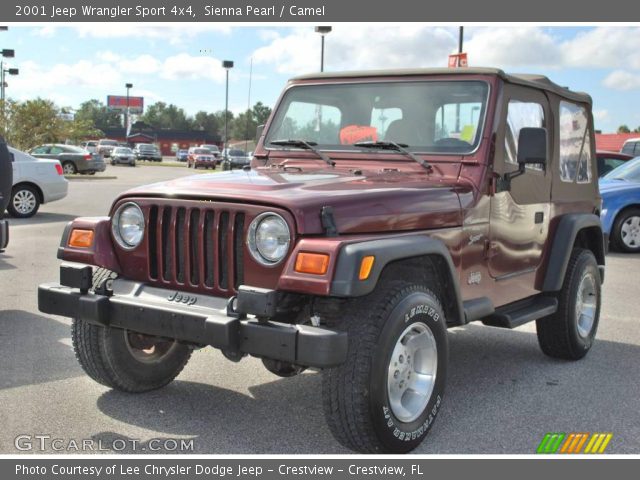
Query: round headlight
[269, 238]
[127, 225]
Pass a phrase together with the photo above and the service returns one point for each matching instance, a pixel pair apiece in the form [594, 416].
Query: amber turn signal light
[313, 263]
[81, 238]
[365, 267]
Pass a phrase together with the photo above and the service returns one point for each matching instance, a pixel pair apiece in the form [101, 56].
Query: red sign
[458, 60]
[358, 133]
[119, 102]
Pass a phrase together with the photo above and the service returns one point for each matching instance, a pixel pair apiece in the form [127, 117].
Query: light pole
[460, 41]
[6, 53]
[128, 86]
[227, 65]
[322, 30]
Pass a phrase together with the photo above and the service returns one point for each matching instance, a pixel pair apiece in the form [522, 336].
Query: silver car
[123, 155]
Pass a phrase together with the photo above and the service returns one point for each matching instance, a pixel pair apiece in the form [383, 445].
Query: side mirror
[259, 130]
[532, 147]
[532, 150]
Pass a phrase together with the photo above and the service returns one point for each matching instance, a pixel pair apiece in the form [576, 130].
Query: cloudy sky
[181, 63]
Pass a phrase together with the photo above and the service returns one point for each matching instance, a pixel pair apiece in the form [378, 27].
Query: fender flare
[347, 284]
[566, 232]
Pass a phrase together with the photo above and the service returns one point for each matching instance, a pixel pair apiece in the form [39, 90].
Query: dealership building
[168, 140]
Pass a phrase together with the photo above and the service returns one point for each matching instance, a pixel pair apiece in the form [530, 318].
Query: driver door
[519, 218]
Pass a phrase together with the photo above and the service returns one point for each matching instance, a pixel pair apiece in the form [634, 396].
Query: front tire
[385, 397]
[24, 202]
[124, 360]
[626, 231]
[570, 332]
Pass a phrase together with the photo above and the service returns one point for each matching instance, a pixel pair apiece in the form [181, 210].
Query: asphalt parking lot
[503, 395]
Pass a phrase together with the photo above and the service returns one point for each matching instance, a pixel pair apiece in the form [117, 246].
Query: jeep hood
[365, 203]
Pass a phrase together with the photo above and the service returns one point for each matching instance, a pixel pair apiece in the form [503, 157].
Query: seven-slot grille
[201, 247]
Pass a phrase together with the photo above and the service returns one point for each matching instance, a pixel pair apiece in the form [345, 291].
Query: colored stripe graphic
[573, 443]
[598, 443]
[550, 443]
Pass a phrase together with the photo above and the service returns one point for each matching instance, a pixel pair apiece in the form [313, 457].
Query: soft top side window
[521, 115]
[575, 144]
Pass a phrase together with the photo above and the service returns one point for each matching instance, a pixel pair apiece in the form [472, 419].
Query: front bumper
[190, 318]
[4, 234]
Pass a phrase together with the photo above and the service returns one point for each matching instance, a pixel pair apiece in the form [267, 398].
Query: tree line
[30, 123]
[626, 129]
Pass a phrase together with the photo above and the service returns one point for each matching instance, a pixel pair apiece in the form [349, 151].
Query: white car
[35, 181]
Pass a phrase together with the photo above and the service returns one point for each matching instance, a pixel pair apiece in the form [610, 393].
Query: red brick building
[612, 142]
[169, 141]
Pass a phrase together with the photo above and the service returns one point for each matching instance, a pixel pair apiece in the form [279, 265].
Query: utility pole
[128, 86]
[323, 30]
[460, 42]
[246, 133]
[227, 65]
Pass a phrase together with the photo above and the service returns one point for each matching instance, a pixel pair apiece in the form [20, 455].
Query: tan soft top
[529, 80]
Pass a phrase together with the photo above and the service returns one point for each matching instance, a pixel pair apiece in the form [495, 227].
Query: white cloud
[46, 31]
[378, 46]
[35, 80]
[355, 47]
[193, 68]
[601, 115]
[173, 34]
[622, 80]
[604, 47]
[509, 47]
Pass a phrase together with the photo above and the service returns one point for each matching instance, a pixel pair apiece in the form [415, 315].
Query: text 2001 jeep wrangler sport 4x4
[380, 209]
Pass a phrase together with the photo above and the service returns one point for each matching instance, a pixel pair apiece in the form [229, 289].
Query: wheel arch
[414, 258]
[35, 186]
[582, 230]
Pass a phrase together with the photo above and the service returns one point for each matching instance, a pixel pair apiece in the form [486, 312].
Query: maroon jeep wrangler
[380, 208]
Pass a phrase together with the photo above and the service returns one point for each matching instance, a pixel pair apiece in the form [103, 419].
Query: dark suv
[147, 151]
[381, 209]
[6, 185]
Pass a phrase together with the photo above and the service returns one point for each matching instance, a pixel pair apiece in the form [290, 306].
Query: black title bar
[29, 11]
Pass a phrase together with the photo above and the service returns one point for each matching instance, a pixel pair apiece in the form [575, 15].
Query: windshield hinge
[328, 222]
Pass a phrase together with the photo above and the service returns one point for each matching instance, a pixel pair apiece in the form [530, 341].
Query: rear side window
[40, 150]
[628, 148]
[56, 150]
[575, 144]
[521, 115]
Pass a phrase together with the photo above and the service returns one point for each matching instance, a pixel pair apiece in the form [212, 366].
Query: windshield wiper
[398, 147]
[306, 146]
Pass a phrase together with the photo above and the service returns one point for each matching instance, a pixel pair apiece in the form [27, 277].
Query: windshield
[202, 151]
[427, 116]
[629, 171]
[123, 150]
[108, 142]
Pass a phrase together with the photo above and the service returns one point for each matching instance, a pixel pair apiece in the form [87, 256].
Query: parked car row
[72, 158]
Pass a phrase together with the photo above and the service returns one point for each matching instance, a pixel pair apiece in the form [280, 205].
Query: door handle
[539, 217]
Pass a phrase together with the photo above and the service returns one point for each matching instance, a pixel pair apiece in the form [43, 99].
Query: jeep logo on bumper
[182, 298]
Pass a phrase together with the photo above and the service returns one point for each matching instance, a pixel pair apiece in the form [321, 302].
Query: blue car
[182, 155]
[620, 190]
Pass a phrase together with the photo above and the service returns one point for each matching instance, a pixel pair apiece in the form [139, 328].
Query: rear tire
[69, 168]
[397, 335]
[124, 360]
[570, 332]
[24, 202]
